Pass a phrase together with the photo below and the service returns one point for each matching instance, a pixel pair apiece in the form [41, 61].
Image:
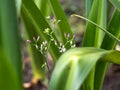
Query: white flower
[73, 46]
[45, 48]
[38, 38]
[71, 42]
[58, 21]
[62, 48]
[55, 43]
[44, 43]
[43, 65]
[47, 31]
[36, 46]
[29, 41]
[61, 44]
[48, 17]
[34, 39]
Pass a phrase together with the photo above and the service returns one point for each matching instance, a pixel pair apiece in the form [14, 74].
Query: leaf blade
[80, 61]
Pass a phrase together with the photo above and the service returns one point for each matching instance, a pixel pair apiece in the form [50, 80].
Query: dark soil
[112, 79]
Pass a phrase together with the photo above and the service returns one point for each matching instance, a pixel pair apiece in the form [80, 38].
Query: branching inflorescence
[44, 46]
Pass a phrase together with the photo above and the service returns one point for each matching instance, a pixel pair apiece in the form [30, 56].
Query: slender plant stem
[47, 63]
[108, 33]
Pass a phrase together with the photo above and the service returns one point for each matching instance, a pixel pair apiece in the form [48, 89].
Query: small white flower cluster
[70, 40]
[62, 48]
[53, 21]
[44, 46]
[40, 47]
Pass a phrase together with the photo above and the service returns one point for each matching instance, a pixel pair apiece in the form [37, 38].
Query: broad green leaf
[108, 43]
[116, 3]
[60, 15]
[10, 61]
[74, 66]
[9, 79]
[40, 24]
[10, 35]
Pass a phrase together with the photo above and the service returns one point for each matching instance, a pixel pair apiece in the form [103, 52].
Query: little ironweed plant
[44, 46]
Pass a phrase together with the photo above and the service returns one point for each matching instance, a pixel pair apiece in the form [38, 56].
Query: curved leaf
[73, 66]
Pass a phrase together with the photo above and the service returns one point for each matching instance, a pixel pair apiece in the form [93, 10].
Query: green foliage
[10, 54]
[73, 67]
[108, 43]
[77, 69]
